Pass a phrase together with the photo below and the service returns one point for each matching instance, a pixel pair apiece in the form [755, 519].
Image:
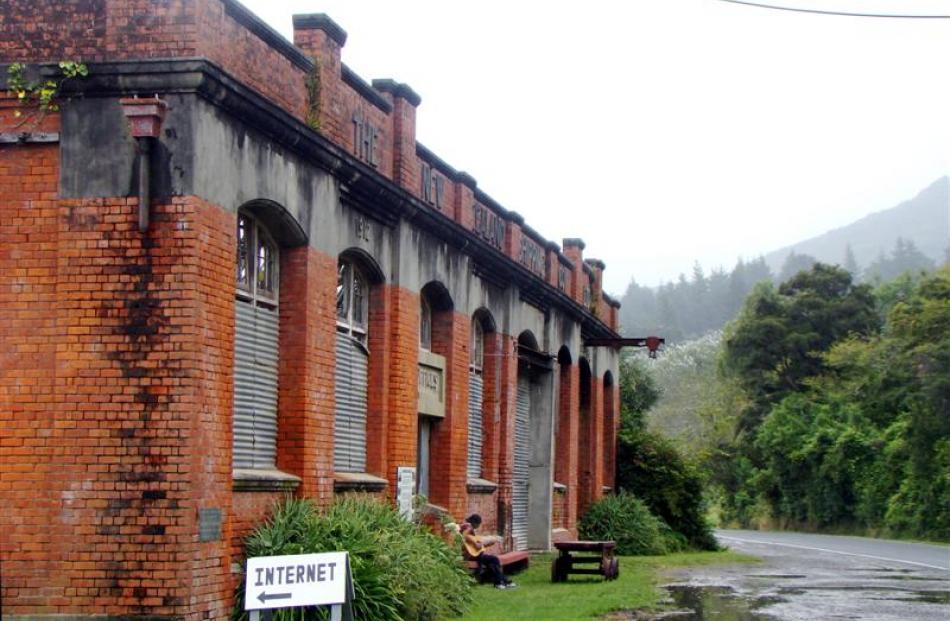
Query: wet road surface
[817, 577]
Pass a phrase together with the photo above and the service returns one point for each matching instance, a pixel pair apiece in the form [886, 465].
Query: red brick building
[228, 271]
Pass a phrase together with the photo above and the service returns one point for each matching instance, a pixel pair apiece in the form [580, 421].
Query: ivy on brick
[38, 97]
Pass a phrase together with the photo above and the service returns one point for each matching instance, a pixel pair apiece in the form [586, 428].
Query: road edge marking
[792, 545]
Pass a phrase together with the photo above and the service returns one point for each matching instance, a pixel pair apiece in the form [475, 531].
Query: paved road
[900, 553]
[806, 577]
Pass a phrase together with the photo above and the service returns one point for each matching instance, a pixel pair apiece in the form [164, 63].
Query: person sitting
[475, 547]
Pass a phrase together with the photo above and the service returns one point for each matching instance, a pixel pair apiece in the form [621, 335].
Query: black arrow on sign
[264, 597]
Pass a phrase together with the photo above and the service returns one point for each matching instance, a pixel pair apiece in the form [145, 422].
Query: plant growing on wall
[37, 98]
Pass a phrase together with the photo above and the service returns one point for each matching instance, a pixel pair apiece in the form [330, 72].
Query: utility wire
[776, 7]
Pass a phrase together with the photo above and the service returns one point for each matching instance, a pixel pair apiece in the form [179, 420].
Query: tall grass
[401, 571]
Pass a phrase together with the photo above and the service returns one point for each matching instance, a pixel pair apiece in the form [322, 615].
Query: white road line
[791, 545]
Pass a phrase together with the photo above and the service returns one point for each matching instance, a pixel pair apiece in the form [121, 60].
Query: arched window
[352, 368]
[255, 346]
[425, 325]
[352, 301]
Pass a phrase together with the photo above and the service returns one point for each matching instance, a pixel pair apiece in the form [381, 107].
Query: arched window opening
[351, 374]
[476, 400]
[352, 301]
[425, 325]
[256, 350]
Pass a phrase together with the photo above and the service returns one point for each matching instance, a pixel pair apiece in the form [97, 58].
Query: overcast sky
[663, 132]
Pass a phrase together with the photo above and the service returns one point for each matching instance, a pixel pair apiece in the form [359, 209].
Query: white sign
[296, 580]
[405, 487]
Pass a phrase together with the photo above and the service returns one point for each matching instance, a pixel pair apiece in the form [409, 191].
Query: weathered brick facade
[117, 346]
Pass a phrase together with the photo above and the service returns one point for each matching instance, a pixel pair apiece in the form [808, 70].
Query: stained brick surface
[117, 347]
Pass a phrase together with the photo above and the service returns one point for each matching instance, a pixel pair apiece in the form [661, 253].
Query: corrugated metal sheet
[349, 431]
[255, 385]
[475, 385]
[519, 492]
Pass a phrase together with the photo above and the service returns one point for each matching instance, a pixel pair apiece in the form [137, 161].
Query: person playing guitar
[475, 549]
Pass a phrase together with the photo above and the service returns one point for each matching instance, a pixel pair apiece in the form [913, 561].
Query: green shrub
[401, 571]
[624, 518]
[650, 467]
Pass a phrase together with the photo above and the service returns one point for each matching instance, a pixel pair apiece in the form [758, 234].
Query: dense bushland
[401, 571]
[846, 422]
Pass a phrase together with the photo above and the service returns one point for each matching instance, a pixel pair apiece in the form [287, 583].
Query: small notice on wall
[405, 487]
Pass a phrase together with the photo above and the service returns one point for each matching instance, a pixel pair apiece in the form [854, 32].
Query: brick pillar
[402, 419]
[307, 346]
[380, 342]
[491, 427]
[323, 39]
[451, 332]
[574, 251]
[508, 394]
[596, 464]
[566, 442]
[406, 169]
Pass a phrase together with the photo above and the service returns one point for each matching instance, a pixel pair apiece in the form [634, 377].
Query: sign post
[299, 580]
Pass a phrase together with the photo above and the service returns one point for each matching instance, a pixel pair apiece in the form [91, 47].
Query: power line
[776, 7]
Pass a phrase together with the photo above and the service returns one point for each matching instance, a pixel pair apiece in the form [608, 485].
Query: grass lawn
[584, 597]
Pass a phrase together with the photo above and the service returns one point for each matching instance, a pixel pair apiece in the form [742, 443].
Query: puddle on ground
[693, 603]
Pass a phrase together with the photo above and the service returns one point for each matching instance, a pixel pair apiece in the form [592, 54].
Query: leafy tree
[864, 439]
[778, 340]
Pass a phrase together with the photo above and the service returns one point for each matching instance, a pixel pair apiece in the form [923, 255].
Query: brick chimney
[405, 101]
[574, 250]
[322, 39]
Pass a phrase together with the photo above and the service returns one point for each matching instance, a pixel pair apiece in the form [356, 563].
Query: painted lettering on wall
[433, 186]
[488, 225]
[532, 256]
[365, 139]
[362, 228]
[430, 381]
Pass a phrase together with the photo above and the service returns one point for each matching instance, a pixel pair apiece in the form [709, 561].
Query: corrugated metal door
[519, 492]
[255, 385]
[349, 431]
[475, 385]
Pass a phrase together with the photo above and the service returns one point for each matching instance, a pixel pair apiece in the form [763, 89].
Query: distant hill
[924, 219]
[883, 245]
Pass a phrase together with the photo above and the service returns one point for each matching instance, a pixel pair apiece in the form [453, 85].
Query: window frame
[259, 238]
[349, 275]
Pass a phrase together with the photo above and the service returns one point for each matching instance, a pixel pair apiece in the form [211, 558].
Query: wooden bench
[511, 562]
[602, 554]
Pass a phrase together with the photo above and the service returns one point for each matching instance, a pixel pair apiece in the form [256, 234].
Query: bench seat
[511, 562]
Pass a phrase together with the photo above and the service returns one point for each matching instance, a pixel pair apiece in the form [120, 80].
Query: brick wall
[307, 362]
[567, 441]
[402, 423]
[505, 428]
[107, 30]
[113, 376]
[451, 334]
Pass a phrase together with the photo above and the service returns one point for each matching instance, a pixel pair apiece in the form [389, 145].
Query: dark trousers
[490, 568]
